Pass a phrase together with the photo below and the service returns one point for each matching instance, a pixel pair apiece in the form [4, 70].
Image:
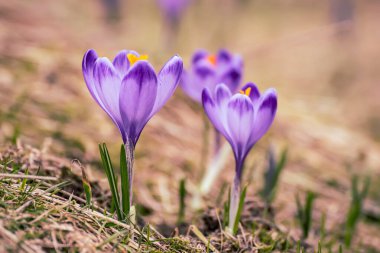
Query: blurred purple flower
[242, 119]
[173, 9]
[208, 70]
[128, 89]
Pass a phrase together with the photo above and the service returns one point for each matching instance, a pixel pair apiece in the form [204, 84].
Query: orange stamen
[133, 58]
[246, 92]
[212, 59]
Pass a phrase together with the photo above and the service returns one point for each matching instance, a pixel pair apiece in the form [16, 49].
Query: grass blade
[226, 213]
[182, 196]
[272, 175]
[304, 213]
[298, 250]
[323, 226]
[239, 211]
[86, 187]
[23, 184]
[355, 211]
[107, 166]
[308, 212]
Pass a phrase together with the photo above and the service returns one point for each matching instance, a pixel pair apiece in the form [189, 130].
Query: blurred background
[321, 56]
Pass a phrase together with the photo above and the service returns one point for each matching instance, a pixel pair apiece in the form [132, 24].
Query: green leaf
[239, 211]
[226, 213]
[298, 250]
[86, 186]
[125, 182]
[88, 192]
[299, 209]
[319, 247]
[182, 196]
[23, 184]
[308, 212]
[107, 166]
[113, 205]
[304, 213]
[272, 175]
[355, 211]
[364, 192]
[323, 226]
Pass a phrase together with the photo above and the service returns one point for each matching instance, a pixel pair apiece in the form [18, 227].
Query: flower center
[211, 59]
[134, 58]
[246, 92]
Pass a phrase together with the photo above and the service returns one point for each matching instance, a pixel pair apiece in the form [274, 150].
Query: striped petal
[107, 86]
[88, 64]
[121, 63]
[137, 98]
[265, 111]
[240, 115]
[168, 79]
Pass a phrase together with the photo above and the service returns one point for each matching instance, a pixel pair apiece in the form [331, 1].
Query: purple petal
[88, 62]
[204, 70]
[121, 63]
[238, 62]
[173, 8]
[240, 116]
[199, 55]
[231, 78]
[190, 87]
[213, 112]
[222, 96]
[137, 98]
[224, 56]
[107, 85]
[200, 77]
[265, 112]
[168, 79]
[254, 93]
[107, 89]
[88, 72]
[134, 53]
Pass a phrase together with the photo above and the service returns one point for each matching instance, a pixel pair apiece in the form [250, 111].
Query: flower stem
[130, 153]
[171, 27]
[214, 168]
[237, 198]
[126, 170]
[234, 202]
[217, 142]
[205, 142]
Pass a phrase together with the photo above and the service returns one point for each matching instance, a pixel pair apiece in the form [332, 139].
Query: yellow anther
[246, 92]
[211, 59]
[134, 58]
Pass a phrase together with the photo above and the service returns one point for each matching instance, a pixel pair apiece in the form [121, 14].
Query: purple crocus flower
[173, 9]
[130, 92]
[128, 89]
[242, 119]
[208, 70]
